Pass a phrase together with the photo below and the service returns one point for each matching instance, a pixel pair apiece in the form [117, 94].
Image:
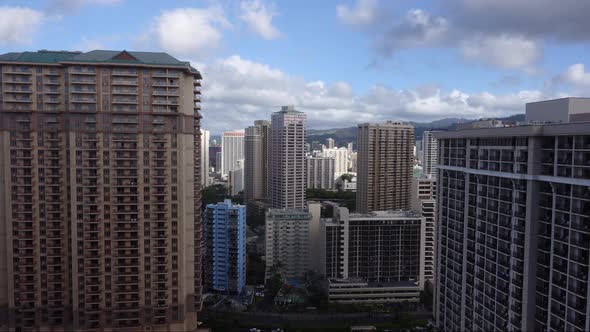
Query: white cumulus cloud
[18, 24]
[363, 13]
[259, 18]
[503, 51]
[237, 91]
[190, 32]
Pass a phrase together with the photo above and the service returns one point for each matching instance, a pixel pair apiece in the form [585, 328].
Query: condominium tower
[287, 160]
[232, 150]
[424, 202]
[100, 191]
[430, 153]
[320, 173]
[376, 257]
[385, 164]
[224, 254]
[513, 223]
[256, 161]
[205, 157]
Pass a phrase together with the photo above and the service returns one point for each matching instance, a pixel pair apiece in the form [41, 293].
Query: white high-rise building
[513, 228]
[236, 178]
[320, 173]
[349, 147]
[430, 153]
[205, 158]
[232, 149]
[290, 235]
[340, 156]
[330, 143]
[288, 159]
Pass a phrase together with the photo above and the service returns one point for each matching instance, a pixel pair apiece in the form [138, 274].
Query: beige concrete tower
[100, 216]
[288, 159]
[256, 154]
[385, 161]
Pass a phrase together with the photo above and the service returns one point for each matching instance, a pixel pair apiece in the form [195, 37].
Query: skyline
[366, 60]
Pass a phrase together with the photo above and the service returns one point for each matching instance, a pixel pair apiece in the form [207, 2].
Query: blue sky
[342, 62]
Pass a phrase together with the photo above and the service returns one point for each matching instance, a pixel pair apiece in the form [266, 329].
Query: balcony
[123, 82]
[124, 72]
[83, 80]
[17, 80]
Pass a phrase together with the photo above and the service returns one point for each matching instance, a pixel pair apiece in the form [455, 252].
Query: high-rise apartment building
[235, 179]
[287, 160]
[289, 234]
[385, 165]
[224, 254]
[424, 202]
[430, 154]
[256, 161]
[320, 173]
[374, 258]
[232, 150]
[205, 158]
[340, 156]
[100, 191]
[329, 143]
[513, 215]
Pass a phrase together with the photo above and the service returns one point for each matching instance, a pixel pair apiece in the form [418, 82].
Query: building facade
[224, 255]
[430, 154]
[205, 181]
[385, 164]
[513, 210]
[424, 202]
[287, 160]
[375, 257]
[320, 173]
[232, 150]
[287, 242]
[256, 161]
[340, 156]
[100, 191]
[235, 179]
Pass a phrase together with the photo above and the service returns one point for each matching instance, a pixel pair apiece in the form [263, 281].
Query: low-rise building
[361, 291]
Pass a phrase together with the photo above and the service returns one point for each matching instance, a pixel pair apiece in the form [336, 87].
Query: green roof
[42, 56]
[151, 58]
[98, 56]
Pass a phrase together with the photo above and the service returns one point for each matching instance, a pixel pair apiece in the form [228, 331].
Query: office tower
[430, 153]
[256, 165]
[320, 173]
[373, 258]
[232, 149]
[513, 213]
[287, 160]
[424, 202]
[330, 143]
[100, 200]
[205, 157]
[385, 165]
[289, 234]
[236, 178]
[224, 254]
[349, 148]
[340, 156]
